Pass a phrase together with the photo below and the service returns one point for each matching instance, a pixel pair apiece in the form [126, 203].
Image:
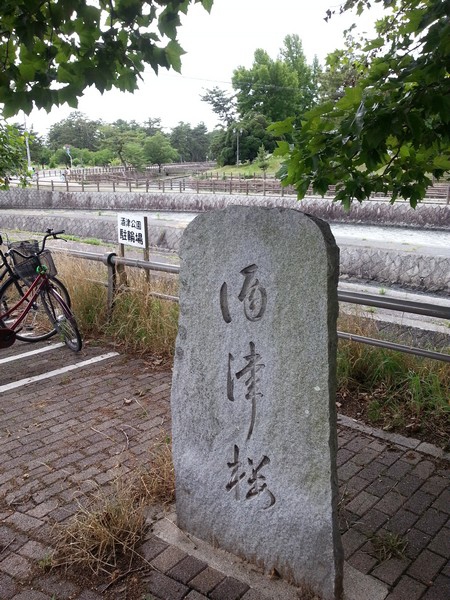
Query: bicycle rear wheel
[36, 326]
[62, 318]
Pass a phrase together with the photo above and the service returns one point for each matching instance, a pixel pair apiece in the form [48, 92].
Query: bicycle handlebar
[50, 233]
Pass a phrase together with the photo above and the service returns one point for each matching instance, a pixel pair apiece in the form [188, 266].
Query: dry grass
[139, 322]
[158, 480]
[111, 523]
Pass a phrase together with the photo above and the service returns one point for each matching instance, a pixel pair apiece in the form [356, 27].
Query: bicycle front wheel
[62, 318]
[36, 326]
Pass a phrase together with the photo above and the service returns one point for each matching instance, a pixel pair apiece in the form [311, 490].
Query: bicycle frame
[40, 283]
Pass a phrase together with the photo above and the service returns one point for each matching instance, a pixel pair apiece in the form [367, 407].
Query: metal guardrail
[112, 261]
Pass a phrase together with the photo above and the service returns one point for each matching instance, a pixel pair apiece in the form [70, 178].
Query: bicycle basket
[26, 268]
[28, 247]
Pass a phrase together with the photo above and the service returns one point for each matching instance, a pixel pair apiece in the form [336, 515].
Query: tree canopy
[390, 132]
[12, 154]
[51, 51]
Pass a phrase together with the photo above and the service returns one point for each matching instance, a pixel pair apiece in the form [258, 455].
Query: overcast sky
[216, 44]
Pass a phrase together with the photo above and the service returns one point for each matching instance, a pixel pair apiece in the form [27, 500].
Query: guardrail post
[108, 260]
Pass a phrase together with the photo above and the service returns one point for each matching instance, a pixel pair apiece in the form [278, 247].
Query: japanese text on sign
[132, 230]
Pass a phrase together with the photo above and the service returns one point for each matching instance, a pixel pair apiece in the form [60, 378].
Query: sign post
[131, 231]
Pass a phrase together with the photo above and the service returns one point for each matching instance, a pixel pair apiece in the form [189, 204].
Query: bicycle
[35, 327]
[37, 269]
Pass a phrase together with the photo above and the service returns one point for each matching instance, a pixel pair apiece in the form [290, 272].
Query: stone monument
[253, 396]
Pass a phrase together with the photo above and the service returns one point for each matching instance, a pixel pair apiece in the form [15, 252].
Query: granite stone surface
[253, 397]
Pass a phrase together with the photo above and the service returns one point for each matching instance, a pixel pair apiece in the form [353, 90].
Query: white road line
[66, 369]
[30, 353]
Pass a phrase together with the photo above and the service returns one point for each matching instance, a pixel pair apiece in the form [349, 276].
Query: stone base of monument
[356, 584]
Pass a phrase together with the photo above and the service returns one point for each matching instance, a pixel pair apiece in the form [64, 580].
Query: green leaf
[352, 98]
[173, 53]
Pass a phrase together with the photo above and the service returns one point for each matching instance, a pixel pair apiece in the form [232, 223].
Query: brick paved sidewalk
[66, 436]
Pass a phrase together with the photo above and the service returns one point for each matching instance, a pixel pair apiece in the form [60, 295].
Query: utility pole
[237, 132]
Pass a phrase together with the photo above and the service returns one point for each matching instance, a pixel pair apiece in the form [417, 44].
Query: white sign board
[132, 230]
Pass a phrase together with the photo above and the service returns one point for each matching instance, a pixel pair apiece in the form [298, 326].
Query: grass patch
[139, 322]
[388, 545]
[109, 526]
[394, 390]
[76, 238]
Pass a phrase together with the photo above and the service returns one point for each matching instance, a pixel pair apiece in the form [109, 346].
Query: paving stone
[407, 589]
[349, 469]
[16, 566]
[419, 501]
[358, 443]
[193, 595]
[355, 485]
[187, 569]
[443, 502]
[152, 547]
[424, 469]
[426, 566]
[352, 540]
[435, 485]
[207, 580]
[391, 502]
[229, 589]
[372, 471]
[390, 456]
[343, 456]
[24, 522]
[371, 522]
[59, 588]
[431, 521]
[377, 445]
[362, 561]
[390, 570]
[399, 469]
[8, 586]
[164, 587]
[35, 550]
[365, 457]
[381, 486]
[408, 485]
[362, 503]
[254, 595]
[401, 522]
[168, 559]
[412, 457]
[441, 543]
[440, 590]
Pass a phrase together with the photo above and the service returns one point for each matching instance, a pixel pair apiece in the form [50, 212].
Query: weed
[46, 562]
[158, 481]
[109, 527]
[140, 322]
[388, 545]
[382, 292]
[112, 522]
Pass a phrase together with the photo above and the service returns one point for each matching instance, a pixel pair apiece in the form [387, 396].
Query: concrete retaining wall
[370, 212]
[426, 273]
